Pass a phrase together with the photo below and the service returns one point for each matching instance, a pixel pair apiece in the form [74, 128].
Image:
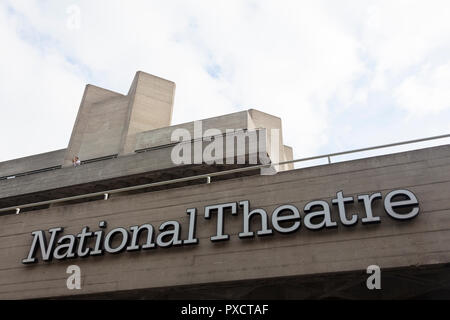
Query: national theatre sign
[398, 204]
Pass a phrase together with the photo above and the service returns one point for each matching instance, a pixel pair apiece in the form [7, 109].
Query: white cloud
[319, 65]
[39, 91]
[427, 91]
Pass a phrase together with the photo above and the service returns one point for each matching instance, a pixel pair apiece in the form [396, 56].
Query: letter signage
[284, 219]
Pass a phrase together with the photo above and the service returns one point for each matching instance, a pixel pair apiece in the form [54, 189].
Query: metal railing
[207, 177]
[27, 173]
[396, 144]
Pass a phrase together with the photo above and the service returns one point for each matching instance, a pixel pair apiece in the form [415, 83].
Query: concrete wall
[107, 122]
[104, 126]
[250, 119]
[101, 123]
[162, 136]
[126, 165]
[259, 119]
[150, 107]
[423, 241]
[91, 124]
[288, 154]
[31, 163]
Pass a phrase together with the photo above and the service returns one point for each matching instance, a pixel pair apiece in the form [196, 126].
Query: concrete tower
[108, 122]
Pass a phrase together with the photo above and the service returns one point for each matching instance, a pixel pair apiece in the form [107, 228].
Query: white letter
[325, 212]
[220, 210]
[411, 201]
[294, 217]
[216, 147]
[247, 215]
[341, 201]
[183, 146]
[374, 281]
[368, 206]
[174, 235]
[74, 281]
[46, 251]
[198, 142]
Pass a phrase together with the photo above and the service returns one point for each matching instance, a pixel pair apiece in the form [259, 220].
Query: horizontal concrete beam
[32, 163]
[156, 160]
[162, 136]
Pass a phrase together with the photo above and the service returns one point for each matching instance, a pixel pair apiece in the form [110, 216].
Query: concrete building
[140, 225]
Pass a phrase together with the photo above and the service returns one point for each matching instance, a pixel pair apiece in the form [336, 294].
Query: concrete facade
[135, 129]
[31, 163]
[112, 125]
[418, 243]
[107, 122]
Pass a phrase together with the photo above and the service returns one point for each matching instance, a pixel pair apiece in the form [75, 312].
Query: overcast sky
[340, 74]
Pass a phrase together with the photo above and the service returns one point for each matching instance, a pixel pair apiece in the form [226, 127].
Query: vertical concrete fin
[260, 119]
[150, 107]
[288, 156]
[108, 122]
[86, 118]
